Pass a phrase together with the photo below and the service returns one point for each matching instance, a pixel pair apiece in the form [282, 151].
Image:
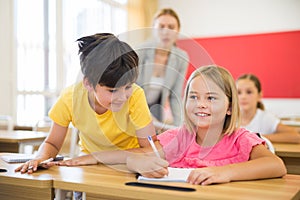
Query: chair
[43, 125]
[6, 123]
[70, 146]
[268, 143]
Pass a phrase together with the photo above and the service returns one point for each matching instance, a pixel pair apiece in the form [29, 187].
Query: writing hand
[148, 166]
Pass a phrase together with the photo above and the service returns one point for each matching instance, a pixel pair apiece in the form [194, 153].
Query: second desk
[290, 154]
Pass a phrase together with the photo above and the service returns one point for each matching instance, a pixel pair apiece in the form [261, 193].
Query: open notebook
[21, 158]
[175, 175]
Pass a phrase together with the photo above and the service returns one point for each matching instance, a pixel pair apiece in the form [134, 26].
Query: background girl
[255, 118]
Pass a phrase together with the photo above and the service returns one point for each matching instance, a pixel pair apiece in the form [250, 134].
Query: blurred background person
[163, 67]
[255, 118]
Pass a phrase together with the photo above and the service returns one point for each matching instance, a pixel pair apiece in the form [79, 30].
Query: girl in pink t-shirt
[210, 140]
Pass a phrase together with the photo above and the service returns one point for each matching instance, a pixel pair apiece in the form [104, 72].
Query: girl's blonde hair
[221, 77]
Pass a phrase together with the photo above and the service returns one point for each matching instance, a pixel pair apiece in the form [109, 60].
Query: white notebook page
[175, 175]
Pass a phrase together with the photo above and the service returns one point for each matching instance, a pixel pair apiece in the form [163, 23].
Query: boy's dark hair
[107, 61]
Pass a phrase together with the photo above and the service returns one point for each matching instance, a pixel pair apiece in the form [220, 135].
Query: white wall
[283, 107]
[213, 18]
[6, 55]
[200, 18]
[206, 18]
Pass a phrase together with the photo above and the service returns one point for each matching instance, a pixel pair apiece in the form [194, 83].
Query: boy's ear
[87, 85]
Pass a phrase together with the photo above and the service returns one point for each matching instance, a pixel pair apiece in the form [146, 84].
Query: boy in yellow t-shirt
[107, 107]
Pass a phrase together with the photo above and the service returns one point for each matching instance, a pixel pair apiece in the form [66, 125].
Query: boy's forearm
[120, 156]
[115, 157]
[46, 151]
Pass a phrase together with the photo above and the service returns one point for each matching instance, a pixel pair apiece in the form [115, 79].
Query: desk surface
[287, 150]
[21, 136]
[39, 179]
[99, 181]
[290, 154]
[15, 141]
[295, 123]
[23, 186]
[107, 183]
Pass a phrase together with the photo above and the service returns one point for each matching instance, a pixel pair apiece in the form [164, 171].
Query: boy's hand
[31, 166]
[81, 160]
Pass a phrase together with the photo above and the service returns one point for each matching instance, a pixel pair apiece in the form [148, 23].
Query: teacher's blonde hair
[222, 78]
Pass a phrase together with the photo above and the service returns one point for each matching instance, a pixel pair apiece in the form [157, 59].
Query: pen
[43, 162]
[153, 146]
[46, 161]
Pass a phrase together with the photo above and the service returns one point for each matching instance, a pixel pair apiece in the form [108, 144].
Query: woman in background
[255, 118]
[163, 68]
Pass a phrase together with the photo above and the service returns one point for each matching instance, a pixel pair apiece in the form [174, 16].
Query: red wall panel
[273, 57]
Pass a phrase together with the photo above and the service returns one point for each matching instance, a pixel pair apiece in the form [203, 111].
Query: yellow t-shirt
[108, 131]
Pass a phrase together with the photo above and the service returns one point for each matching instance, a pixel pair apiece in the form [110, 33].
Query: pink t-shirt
[181, 149]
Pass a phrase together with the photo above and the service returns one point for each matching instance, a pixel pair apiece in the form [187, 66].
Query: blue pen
[153, 146]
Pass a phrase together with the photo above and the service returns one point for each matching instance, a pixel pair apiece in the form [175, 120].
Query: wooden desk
[15, 186]
[15, 141]
[292, 122]
[101, 182]
[290, 154]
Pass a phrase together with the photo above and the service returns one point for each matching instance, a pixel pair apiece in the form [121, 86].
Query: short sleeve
[60, 112]
[246, 141]
[139, 111]
[175, 143]
[165, 137]
[263, 122]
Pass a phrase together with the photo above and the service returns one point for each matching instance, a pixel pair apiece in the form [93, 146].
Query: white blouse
[263, 123]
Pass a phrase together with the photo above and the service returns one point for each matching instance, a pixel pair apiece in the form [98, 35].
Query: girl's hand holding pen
[148, 166]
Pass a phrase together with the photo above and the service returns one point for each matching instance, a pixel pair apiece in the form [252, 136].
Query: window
[47, 59]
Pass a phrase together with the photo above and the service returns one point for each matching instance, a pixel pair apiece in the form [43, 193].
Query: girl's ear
[228, 111]
[88, 85]
[260, 95]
